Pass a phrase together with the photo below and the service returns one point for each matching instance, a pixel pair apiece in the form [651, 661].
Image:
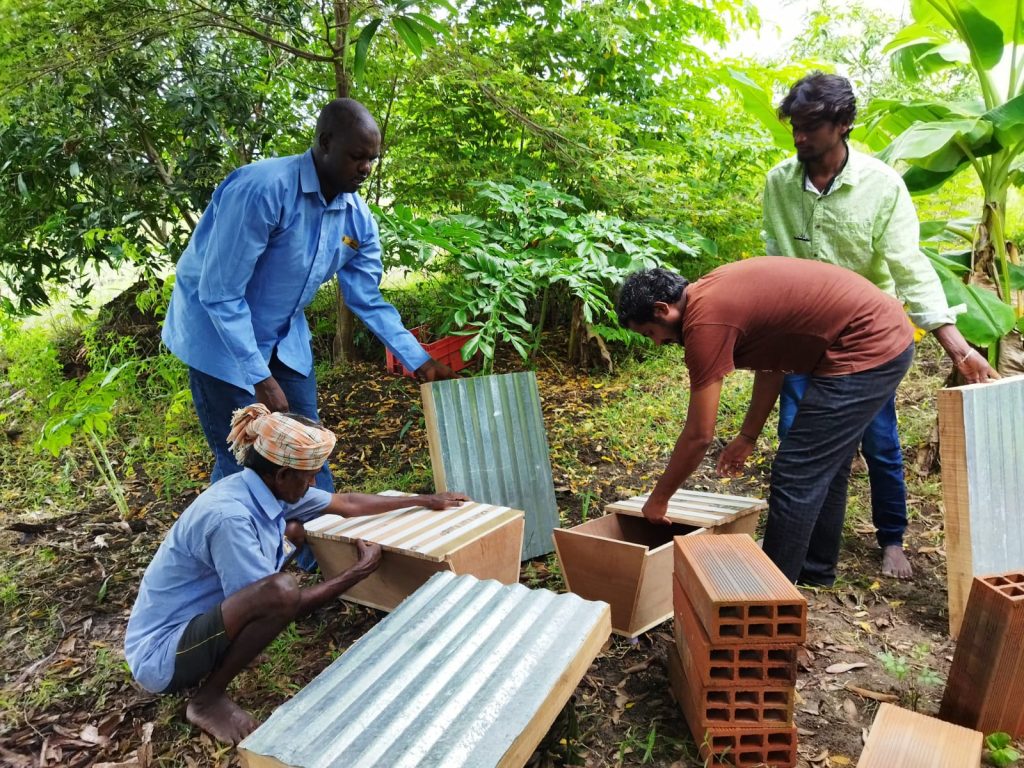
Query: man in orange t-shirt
[776, 315]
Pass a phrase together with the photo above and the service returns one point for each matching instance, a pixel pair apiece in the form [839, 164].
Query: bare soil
[68, 699]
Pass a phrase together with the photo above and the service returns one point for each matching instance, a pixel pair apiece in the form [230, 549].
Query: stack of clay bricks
[738, 624]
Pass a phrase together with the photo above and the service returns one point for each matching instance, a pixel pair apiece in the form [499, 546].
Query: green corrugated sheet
[487, 439]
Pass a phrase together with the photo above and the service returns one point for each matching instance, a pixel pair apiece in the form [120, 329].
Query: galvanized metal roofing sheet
[453, 677]
[993, 418]
[487, 438]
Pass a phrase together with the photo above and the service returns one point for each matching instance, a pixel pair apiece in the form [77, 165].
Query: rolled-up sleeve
[359, 279]
[897, 241]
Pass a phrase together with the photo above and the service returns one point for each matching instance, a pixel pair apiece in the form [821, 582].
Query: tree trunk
[343, 349]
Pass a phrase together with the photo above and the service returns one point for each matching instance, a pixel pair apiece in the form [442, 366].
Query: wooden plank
[599, 568]
[908, 739]
[493, 555]
[981, 440]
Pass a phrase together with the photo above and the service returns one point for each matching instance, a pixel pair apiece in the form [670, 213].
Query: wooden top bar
[704, 510]
[425, 533]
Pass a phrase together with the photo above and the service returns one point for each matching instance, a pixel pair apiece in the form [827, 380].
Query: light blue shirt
[263, 246]
[231, 536]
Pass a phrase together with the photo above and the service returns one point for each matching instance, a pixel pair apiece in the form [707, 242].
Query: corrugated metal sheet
[487, 438]
[451, 678]
[994, 435]
[981, 442]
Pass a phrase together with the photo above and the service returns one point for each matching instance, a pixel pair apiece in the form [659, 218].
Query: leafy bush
[527, 256]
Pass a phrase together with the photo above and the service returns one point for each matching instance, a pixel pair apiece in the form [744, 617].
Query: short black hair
[343, 116]
[259, 463]
[819, 96]
[642, 289]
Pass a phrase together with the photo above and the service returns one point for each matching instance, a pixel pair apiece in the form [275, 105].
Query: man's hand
[295, 532]
[655, 509]
[432, 370]
[975, 368]
[441, 500]
[269, 393]
[734, 456]
[369, 556]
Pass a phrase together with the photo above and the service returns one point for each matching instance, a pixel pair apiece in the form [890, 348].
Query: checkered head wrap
[279, 438]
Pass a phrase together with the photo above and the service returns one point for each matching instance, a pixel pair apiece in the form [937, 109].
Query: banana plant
[937, 140]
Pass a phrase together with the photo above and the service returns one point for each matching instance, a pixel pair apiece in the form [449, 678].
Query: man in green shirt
[833, 204]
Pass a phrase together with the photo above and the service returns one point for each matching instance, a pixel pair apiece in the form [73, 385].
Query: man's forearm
[952, 341]
[767, 385]
[686, 457]
[311, 598]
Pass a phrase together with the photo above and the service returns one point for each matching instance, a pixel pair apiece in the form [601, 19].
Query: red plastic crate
[447, 350]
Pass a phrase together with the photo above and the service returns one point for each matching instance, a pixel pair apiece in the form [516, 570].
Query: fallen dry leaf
[92, 735]
[838, 669]
[850, 711]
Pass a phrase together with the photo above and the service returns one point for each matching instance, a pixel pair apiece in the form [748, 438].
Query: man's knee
[279, 595]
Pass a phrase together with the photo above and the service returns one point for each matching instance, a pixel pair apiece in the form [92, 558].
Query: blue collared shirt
[229, 537]
[263, 246]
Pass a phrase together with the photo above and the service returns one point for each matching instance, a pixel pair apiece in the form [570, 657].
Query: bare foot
[220, 717]
[895, 563]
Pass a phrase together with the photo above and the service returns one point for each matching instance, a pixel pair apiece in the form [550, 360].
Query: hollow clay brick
[900, 738]
[743, 746]
[728, 665]
[985, 689]
[738, 593]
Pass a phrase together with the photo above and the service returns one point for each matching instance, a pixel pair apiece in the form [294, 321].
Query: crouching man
[213, 597]
[778, 315]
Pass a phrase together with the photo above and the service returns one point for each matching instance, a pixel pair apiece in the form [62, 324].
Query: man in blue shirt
[213, 597]
[274, 232]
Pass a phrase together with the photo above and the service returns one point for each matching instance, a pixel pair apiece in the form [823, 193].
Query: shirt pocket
[852, 241]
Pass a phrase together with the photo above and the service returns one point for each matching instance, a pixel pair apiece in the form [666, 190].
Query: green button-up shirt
[866, 223]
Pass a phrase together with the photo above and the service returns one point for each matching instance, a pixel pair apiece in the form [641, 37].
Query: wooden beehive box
[481, 540]
[627, 562]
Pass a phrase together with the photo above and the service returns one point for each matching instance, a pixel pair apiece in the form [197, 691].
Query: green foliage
[987, 319]
[84, 410]
[1000, 749]
[29, 359]
[938, 139]
[911, 673]
[527, 252]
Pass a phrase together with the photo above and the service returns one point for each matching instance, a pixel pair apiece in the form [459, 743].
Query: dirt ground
[69, 700]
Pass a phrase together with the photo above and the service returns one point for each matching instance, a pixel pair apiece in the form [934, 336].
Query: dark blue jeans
[882, 452]
[807, 501]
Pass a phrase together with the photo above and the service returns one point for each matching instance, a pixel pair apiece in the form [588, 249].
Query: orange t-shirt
[773, 313]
